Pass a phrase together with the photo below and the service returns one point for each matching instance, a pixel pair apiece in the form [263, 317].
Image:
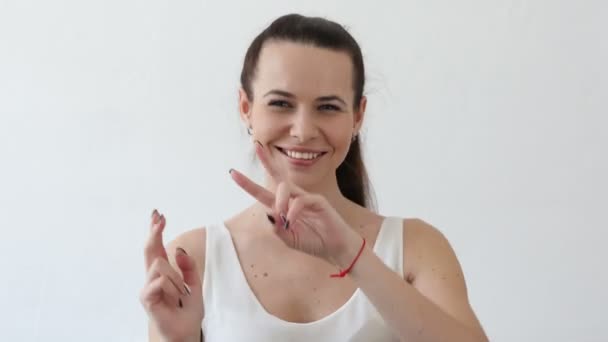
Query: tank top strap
[389, 244]
[224, 285]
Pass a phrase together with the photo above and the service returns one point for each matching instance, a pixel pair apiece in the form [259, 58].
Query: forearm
[193, 338]
[412, 316]
[154, 336]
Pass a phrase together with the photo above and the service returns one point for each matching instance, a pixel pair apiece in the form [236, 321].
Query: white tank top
[233, 312]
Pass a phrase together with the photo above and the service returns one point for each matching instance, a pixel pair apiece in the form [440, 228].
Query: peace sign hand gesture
[304, 221]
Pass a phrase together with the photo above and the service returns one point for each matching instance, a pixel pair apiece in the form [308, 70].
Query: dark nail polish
[270, 218]
[230, 171]
[181, 305]
[153, 212]
[284, 221]
[179, 249]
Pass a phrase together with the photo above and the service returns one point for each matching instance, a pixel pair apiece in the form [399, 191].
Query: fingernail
[270, 218]
[180, 250]
[230, 171]
[181, 305]
[153, 212]
[187, 289]
[284, 220]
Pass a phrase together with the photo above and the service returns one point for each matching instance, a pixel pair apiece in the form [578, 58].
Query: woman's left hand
[304, 221]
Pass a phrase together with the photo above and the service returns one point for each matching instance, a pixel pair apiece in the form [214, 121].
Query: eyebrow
[291, 96]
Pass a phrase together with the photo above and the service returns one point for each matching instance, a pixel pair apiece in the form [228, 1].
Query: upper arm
[437, 271]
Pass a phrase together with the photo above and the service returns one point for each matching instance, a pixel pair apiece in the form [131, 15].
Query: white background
[485, 118]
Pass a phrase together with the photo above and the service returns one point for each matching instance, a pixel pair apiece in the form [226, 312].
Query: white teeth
[302, 155]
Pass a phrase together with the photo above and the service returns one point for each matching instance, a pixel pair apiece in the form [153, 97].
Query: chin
[307, 181]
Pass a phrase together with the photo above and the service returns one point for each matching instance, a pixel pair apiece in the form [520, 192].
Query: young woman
[309, 260]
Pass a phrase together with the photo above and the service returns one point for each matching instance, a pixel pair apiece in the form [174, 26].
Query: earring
[354, 137]
[249, 129]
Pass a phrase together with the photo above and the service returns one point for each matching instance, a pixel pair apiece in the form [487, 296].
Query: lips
[300, 149]
[301, 154]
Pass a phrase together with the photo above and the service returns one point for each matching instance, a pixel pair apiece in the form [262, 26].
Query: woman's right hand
[173, 302]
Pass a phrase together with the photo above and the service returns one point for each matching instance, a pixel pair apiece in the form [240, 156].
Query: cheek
[342, 141]
[341, 135]
[264, 121]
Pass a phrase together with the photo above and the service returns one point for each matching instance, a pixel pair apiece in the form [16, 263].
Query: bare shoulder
[193, 242]
[424, 246]
[433, 268]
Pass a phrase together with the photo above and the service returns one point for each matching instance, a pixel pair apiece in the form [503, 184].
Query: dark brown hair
[351, 174]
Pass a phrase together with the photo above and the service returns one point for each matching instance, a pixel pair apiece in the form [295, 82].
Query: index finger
[257, 191]
[154, 245]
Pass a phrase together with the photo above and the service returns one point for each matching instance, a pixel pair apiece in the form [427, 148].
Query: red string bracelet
[342, 274]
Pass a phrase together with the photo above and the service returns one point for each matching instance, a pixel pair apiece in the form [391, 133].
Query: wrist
[191, 338]
[347, 252]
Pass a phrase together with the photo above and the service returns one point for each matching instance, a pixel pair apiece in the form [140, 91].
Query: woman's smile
[301, 156]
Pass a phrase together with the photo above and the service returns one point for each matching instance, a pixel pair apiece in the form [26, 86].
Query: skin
[430, 303]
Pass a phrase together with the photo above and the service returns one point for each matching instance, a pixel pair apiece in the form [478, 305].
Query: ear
[244, 106]
[360, 114]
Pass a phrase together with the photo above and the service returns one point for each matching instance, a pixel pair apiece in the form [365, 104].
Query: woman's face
[302, 109]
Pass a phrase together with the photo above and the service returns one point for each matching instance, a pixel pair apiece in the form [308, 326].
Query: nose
[303, 126]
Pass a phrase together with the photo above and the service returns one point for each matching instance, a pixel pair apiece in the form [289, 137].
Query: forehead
[303, 70]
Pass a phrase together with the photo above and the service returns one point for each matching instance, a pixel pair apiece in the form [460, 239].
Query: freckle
[318, 301]
[265, 274]
[433, 269]
[255, 275]
[443, 277]
[251, 265]
[314, 289]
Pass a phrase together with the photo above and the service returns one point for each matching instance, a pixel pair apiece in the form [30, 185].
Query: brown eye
[279, 103]
[329, 107]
